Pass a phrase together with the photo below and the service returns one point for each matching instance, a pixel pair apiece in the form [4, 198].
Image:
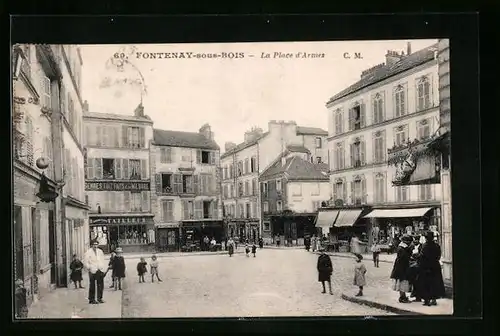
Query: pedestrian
[359, 274]
[110, 265]
[153, 265]
[96, 265]
[414, 272]
[376, 253]
[261, 243]
[142, 269]
[254, 249]
[20, 297]
[76, 267]
[313, 243]
[118, 268]
[356, 245]
[400, 270]
[223, 245]
[325, 270]
[431, 277]
[230, 246]
[206, 242]
[247, 249]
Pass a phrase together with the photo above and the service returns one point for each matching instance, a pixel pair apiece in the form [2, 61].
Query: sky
[232, 95]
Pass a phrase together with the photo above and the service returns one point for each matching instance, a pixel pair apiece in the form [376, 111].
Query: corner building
[185, 189]
[117, 180]
[393, 104]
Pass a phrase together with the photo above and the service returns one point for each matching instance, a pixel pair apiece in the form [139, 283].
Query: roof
[182, 139]
[298, 149]
[118, 117]
[243, 145]
[302, 130]
[296, 168]
[417, 58]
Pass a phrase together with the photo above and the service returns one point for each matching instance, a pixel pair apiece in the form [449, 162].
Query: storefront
[292, 228]
[131, 233]
[244, 229]
[192, 233]
[167, 237]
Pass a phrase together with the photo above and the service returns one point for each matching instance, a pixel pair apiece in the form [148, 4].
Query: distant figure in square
[359, 274]
[247, 249]
[325, 270]
[141, 269]
[20, 297]
[254, 250]
[153, 265]
[76, 267]
[376, 253]
[118, 268]
[261, 242]
[230, 246]
[110, 266]
[278, 241]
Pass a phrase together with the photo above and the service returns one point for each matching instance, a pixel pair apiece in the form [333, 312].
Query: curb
[133, 255]
[381, 306]
[351, 256]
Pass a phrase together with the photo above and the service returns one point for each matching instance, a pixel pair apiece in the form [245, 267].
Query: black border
[462, 29]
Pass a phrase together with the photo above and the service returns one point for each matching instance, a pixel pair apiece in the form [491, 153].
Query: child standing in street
[247, 249]
[254, 249]
[20, 296]
[141, 269]
[76, 267]
[118, 268]
[110, 266]
[376, 253]
[154, 268]
[359, 274]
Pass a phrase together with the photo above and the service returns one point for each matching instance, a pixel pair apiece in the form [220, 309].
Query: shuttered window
[168, 210]
[118, 169]
[144, 169]
[145, 201]
[379, 147]
[116, 138]
[198, 209]
[125, 169]
[29, 141]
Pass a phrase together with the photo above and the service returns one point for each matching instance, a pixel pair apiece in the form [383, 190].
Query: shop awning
[326, 218]
[397, 213]
[347, 217]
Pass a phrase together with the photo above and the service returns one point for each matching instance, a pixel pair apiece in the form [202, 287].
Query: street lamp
[44, 193]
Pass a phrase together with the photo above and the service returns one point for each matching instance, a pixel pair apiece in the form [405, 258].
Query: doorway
[35, 224]
[52, 247]
[18, 242]
[113, 237]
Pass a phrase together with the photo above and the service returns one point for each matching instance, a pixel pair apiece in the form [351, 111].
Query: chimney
[392, 57]
[85, 106]
[206, 131]
[229, 145]
[139, 111]
[253, 134]
[408, 48]
[371, 70]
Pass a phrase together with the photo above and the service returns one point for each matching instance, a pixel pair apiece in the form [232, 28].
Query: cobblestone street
[276, 283]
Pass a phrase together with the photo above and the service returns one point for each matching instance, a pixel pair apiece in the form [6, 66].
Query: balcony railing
[360, 164]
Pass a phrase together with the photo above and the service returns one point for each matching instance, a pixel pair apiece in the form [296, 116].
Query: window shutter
[105, 136]
[163, 155]
[213, 158]
[98, 168]
[125, 136]
[158, 184]
[88, 141]
[362, 118]
[196, 184]
[145, 201]
[362, 151]
[125, 171]
[144, 168]
[198, 156]
[374, 111]
[164, 210]
[353, 196]
[211, 210]
[351, 146]
[118, 169]
[185, 210]
[126, 201]
[334, 191]
[170, 154]
[142, 137]
[177, 183]
[351, 120]
[363, 190]
[198, 209]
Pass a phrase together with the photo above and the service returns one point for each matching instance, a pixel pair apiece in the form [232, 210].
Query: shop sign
[117, 220]
[117, 186]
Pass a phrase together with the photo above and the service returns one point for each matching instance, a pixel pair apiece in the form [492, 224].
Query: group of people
[232, 246]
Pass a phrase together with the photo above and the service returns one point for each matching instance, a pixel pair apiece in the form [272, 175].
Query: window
[318, 142]
[339, 191]
[135, 169]
[247, 188]
[248, 210]
[425, 192]
[166, 155]
[267, 226]
[380, 188]
[358, 157]
[315, 189]
[356, 117]
[279, 206]
[339, 156]
[318, 159]
[423, 129]
[241, 211]
[207, 209]
[265, 206]
[253, 164]
[402, 194]
[254, 187]
[240, 168]
[166, 183]
[205, 157]
[278, 185]
[399, 101]
[231, 191]
[400, 135]
[240, 189]
[379, 148]
[108, 169]
[423, 94]
[187, 184]
[358, 192]
[296, 189]
[135, 201]
[338, 122]
[45, 92]
[247, 166]
[378, 108]
[231, 169]
[133, 139]
[233, 210]
[188, 209]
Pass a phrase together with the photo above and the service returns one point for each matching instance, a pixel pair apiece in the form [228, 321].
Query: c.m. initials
[355, 55]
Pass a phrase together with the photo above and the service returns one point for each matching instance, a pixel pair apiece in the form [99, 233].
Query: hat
[429, 235]
[406, 239]
[94, 242]
[119, 249]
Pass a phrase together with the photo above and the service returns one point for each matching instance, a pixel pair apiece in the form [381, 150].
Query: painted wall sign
[117, 186]
[117, 220]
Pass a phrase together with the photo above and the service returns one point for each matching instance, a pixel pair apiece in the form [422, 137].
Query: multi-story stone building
[49, 211]
[292, 190]
[241, 165]
[118, 181]
[185, 188]
[392, 105]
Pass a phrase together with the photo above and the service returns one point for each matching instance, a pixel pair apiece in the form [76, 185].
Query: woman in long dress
[230, 246]
[430, 275]
[400, 270]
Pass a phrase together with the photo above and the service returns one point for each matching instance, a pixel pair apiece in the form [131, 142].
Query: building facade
[118, 181]
[185, 188]
[392, 105]
[241, 165]
[292, 189]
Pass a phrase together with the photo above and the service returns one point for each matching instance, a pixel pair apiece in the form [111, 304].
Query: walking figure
[261, 243]
[376, 253]
[254, 250]
[94, 261]
[141, 269]
[230, 247]
[247, 249]
[325, 270]
[359, 274]
[154, 269]
[76, 267]
[110, 266]
[118, 269]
